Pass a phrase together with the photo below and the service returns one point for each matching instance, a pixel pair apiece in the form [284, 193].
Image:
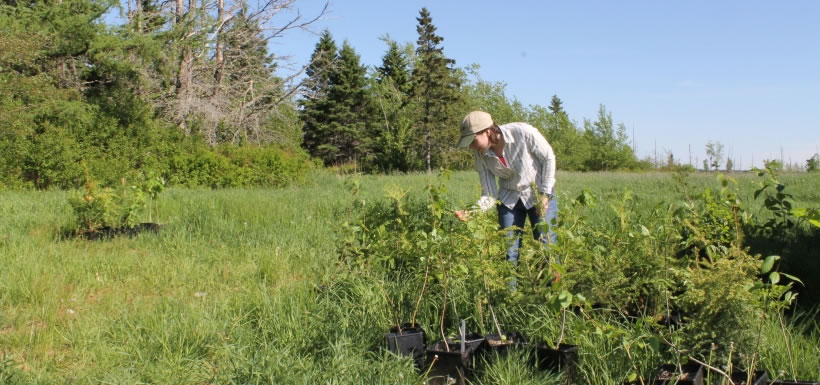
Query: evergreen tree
[321, 62]
[556, 106]
[348, 109]
[391, 147]
[313, 110]
[395, 66]
[436, 90]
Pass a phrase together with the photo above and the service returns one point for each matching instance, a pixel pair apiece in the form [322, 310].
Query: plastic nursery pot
[100, 234]
[564, 357]
[691, 374]
[501, 345]
[110, 232]
[760, 377]
[453, 365]
[407, 341]
[141, 228]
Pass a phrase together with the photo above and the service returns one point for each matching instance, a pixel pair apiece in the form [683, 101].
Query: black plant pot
[501, 345]
[760, 377]
[407, 341]
[786, 382]
[100, 234]
[692, 374]
[564, 357]
[110, 232]
[455, 364]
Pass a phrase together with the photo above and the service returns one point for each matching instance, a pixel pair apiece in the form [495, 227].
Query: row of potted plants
[694, 373]
[454, 359]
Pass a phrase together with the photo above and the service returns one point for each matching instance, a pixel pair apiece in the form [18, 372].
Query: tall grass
[243, 286]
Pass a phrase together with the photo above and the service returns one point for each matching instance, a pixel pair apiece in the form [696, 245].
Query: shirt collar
[508, 139]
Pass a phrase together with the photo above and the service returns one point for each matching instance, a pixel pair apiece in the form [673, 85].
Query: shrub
[104, 208]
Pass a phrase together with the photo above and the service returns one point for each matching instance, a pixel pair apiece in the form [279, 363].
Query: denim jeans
[517, 217]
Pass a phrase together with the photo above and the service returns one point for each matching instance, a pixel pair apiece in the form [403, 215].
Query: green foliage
[711, 225]
[336, 116]
[813, 163]
[105, 208]
[232, 166]
[607, 145]
[714, 151]
[245, 286]
[436, 87]
[455, 266]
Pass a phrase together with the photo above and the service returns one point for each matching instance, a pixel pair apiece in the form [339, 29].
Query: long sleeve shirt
[529, 159]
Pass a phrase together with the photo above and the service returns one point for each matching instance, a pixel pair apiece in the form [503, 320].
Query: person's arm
[489, 189]
[544, 157]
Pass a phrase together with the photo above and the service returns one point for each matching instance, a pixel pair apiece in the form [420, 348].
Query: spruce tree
[436, 90]
[556, 106]
[347, 107]
[391, 145]
[312, 112]
[395, 67]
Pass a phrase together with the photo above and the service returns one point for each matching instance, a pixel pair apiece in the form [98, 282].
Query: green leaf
[774, 277]
[793, 278]
[632, 376]
[565, 298]
[644, 231]
[768, 263]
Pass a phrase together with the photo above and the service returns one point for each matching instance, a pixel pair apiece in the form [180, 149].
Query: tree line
[192, 92]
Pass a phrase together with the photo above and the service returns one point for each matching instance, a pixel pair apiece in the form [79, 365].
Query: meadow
[246, 286]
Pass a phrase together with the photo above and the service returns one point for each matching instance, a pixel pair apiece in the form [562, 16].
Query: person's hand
[542, 208]
[462, 215]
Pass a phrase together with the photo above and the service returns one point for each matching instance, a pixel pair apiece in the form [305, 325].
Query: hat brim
[466, 140]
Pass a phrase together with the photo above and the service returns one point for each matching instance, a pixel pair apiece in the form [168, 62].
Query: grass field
[244, 286]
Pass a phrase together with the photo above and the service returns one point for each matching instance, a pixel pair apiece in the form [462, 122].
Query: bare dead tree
[210, 73]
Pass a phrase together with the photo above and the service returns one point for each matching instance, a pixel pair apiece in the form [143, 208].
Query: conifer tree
[395, 66]
[316, 85]
[436, 90]
[347, 107]
[391, 145]
[556, 106]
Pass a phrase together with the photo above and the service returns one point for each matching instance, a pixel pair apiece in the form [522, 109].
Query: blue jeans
[517, 217]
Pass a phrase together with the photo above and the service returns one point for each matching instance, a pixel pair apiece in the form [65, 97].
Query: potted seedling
[545, 281]
[408, 339]
[451, 360]
[687, 374]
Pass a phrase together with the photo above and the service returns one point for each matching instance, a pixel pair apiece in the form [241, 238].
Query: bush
[232, 166]
[104, 208]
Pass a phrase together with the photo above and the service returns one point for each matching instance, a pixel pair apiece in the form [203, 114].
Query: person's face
[481, 143]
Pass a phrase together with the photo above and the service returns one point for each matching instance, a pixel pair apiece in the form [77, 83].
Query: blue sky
[677, 74]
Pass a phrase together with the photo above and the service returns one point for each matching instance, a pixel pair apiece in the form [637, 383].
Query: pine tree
[436, 90]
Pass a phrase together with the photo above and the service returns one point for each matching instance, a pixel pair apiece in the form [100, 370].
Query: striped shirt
[529, 160]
